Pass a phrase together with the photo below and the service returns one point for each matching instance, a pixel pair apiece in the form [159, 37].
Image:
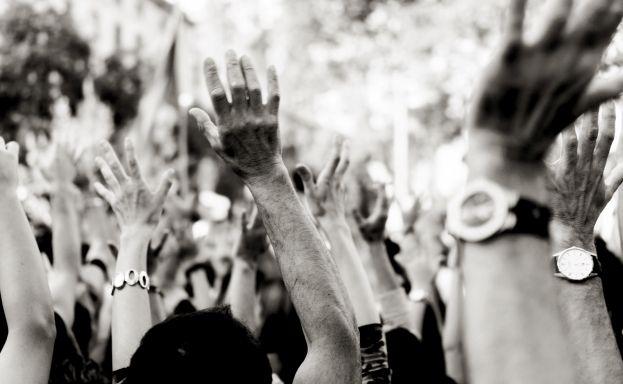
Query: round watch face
[477, 209]
[575, 264]
[479, 212]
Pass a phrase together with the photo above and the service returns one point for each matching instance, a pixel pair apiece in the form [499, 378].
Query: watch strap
[530, 218]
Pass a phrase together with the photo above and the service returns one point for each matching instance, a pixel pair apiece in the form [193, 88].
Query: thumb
[306, 176]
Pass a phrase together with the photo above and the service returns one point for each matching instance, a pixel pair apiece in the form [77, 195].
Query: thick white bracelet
[130, 277]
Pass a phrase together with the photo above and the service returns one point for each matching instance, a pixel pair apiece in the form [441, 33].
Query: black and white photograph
[311, 192]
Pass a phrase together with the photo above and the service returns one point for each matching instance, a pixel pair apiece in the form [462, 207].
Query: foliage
[42, 58]
[120, 87]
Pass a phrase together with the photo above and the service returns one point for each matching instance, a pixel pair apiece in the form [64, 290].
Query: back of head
[207, 346]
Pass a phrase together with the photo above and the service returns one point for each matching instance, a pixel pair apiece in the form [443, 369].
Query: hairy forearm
[513, 330]
[309, 274]
[351, 270]
[584, 310]
[131, 311]
[242, 296]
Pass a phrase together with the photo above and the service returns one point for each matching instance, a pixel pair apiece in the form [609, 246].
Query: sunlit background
[392, 76]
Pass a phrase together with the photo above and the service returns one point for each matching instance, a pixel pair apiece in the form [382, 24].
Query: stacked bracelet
[130, 277]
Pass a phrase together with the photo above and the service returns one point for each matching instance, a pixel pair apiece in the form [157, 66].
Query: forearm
[242, 296]
[584, 310]
[27, 353]
[65, 232]
[22, 276]
[396, 308]
[201, 289]
[131, 311]
[512, 326]
[67, 252]
[309, 273]
[351, 270]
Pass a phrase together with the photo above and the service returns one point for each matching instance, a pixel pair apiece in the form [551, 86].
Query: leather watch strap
[531, 219]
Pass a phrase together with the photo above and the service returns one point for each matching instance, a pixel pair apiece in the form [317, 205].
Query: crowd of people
[512, 283]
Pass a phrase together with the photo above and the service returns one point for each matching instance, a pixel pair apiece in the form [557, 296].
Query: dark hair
[204, 346]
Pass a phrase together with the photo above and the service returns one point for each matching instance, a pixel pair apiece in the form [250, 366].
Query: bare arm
[27, 354]
[325, 198]
[247, 138]
[65, 236]
[138, 210]
[580, 192]
[251, 245]
[528, 95]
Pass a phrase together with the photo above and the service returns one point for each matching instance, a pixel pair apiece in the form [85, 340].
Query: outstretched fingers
[554, 23]
[108, 175]
[215, 87]
[515, 23]
[606, 137]
[327, 173]
[130, 154]
[272, 103]
[164, 187]
[252, 84]
[235, 78]
[570, 151]
[207, 127]
[613, 181]
[601, 90]
[344, 163]
[108, 154]
[306, 177]
[587, 138]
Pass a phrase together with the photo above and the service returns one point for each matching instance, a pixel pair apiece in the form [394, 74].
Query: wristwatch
[576, 264]
[485, 209]
[130, 277]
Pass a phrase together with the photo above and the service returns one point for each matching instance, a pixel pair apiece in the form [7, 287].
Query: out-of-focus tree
[120, 87]
[42, 58]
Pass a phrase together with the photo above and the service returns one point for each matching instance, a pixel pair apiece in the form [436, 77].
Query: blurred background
[393, 76]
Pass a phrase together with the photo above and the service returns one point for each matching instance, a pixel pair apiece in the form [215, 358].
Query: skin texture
[138, 210]
[250, 246]
[527, 96]
[246, 137]
[325, 197]
[63, 277]
[27, 354]
[580, 192]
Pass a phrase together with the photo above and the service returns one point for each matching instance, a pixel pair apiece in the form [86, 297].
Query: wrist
[565, 236]
[136, 232]
[273, 173]
[334, 222]
[488, 158]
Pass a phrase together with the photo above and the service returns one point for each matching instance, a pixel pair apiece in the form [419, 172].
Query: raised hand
[246, 133]
[134, 203]
[8, 166]
[326, 195]
[62, 169]
[579, 188]
[373, 227]
[253, 241]
[532, 91]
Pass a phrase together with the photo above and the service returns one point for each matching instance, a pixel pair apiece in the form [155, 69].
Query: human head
[199, 347]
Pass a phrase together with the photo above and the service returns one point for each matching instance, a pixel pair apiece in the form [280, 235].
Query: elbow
[39, 328]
